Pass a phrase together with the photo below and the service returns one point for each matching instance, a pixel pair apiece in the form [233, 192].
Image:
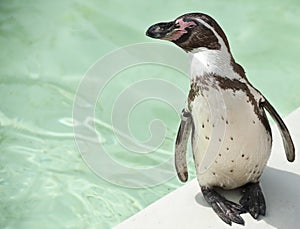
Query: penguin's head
[191, 31]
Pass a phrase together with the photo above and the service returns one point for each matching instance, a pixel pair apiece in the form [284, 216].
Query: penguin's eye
[191, 26]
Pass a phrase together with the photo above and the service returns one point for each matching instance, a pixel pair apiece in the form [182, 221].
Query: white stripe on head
[220, 39]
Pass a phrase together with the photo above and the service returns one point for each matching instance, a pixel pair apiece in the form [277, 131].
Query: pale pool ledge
[185, 207]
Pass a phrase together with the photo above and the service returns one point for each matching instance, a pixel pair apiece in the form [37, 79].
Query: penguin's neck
[206, 61]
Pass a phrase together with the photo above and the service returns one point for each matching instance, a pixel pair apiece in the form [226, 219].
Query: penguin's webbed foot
[227, 210]
[253, 200]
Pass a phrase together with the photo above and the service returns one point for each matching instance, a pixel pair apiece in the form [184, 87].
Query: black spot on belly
[207, 138]
[231, 138]
[214, 173]
[232, 161]
[243, 155]
[202, 125]
[231, 170]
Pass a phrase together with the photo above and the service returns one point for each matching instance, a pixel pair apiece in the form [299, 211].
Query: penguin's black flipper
[181, 145]
[286, 137]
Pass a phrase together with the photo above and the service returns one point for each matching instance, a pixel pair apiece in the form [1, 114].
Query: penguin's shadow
[282, 192]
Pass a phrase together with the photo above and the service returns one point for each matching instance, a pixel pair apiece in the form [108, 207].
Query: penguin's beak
[163, 30]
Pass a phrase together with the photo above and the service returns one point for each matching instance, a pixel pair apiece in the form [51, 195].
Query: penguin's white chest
[231, 145]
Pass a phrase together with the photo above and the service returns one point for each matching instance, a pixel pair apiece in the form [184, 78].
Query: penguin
[226, 118]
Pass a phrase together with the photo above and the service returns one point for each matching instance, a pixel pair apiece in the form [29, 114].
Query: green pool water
[46, 47]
